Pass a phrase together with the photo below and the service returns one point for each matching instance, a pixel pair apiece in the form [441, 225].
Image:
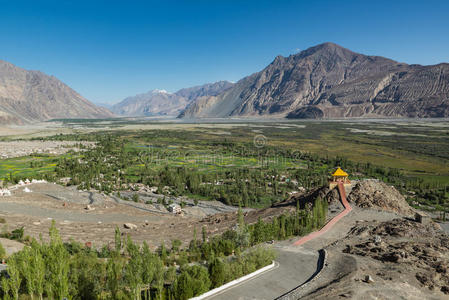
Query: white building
[5, 192]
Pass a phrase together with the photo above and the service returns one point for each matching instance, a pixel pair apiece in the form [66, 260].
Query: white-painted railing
[234, 282]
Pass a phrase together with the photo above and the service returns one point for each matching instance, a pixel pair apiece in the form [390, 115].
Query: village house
[5, 192]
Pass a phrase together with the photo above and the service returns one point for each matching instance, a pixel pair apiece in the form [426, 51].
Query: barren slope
[28, 96]
[160, 102]
[328, 81]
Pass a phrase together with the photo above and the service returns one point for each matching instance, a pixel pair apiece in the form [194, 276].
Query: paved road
[296, 265]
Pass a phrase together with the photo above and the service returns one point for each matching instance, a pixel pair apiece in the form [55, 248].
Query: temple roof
[340, 172]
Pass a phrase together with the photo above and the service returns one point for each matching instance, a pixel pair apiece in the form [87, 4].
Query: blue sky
[108, 50]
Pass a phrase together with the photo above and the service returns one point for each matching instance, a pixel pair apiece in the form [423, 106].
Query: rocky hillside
[153, 103]
[328, 81]
[208, 89]
[30, 96]
[160, 102]
[420, 251]
[372, 193]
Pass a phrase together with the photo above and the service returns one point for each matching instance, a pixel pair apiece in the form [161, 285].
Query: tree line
[57, 270]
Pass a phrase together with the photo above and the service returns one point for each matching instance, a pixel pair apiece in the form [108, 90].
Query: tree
[158, 280]
[217, 272]
[38, 269]
[170, 274]
[5, 287]
[15, 278]
[134, 270]
[118, 240]
[149, 266]
[243, 235]
[87, 275]
[2, 252]
[182, 287]
[114, 275]
[135, 197]
[57, 263]
[204, 234]
[193, 281]
[175, 244]
[32, 268]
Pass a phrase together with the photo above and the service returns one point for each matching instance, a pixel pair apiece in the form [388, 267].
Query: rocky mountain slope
[372, 193]
[160, 102]
[30, 96]
[155, 102]
[329, 81]
[386, 259]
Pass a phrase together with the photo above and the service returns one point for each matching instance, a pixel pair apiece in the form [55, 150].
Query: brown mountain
[329, 81]
[30, 96]
[160, 102]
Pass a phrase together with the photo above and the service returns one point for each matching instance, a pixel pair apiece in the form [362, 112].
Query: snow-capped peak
[156, 91]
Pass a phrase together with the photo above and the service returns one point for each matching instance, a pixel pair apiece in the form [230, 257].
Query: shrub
[2, 252]
[17, 234]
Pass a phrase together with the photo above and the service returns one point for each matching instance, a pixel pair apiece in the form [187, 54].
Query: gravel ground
[24, 148]
[11, 246]
[445, 226]
[92, 217]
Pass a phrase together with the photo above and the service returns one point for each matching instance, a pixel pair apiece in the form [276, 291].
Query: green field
[223, 161]
[33, 166]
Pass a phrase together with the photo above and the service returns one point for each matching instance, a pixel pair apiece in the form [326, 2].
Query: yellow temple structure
[339, 176]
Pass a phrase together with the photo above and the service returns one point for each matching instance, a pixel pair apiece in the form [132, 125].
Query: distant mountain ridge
[329, 81]
[30, 96]
[163, 103]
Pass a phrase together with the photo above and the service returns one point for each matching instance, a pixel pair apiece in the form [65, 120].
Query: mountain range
[30, 96]
[163, 103]
[324, 81]
[329, 81]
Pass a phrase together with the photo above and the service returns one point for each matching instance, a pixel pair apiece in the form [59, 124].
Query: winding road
[295, 265]
[298, 263]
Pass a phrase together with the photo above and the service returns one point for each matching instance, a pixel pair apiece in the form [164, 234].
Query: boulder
[369, 279]
[130, 226]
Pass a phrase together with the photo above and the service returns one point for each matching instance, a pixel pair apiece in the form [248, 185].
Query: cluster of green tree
[285, 226]
[433, 197]
[129, 271]
[113, 164]
[56, 271]
[248, 186]
[110, 166]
